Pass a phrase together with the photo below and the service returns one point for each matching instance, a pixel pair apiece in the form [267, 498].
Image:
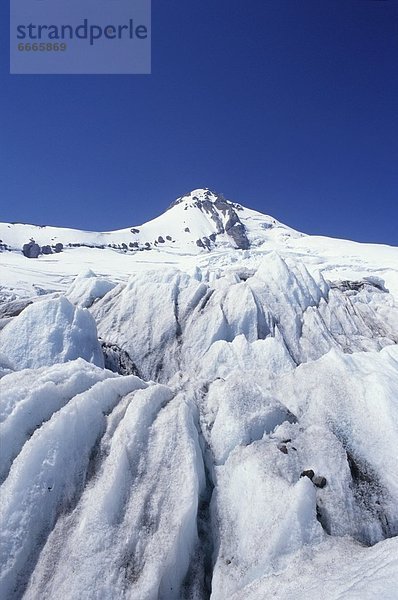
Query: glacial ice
[344, 429]
[49, 332]
[195, 484]
[31, 396]
[278, 300]
[49, 473]
[87, 287]
[134, 529]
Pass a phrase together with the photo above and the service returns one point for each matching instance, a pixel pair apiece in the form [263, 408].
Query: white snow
[47, 476]
[171, 224]
[260, 461]
[277, 300]
[142, 504]
[346, 421]
[336, 259]
[32, 396]
[336, 569]
[87, 288]
[50, 332]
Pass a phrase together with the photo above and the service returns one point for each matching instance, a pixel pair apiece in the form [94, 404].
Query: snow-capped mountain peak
[204, 196]
[197, 194]
[198, 221]
[221, 214]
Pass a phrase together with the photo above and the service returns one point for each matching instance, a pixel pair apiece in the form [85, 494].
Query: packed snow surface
[244, 444]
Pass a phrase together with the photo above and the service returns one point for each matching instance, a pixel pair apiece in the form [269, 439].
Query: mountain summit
[222, 215]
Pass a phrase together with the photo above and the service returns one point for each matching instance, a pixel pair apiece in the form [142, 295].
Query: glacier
[214, 420]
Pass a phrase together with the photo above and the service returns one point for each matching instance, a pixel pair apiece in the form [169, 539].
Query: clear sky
[289, 107]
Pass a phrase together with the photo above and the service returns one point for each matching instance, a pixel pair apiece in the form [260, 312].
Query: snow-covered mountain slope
[201, 229]
[240, 442]
[199, 220]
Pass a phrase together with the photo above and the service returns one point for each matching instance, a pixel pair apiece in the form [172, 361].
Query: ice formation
[50, 332]
[253, 456]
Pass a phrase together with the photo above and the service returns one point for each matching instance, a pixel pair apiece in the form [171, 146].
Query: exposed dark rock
[319, 481]
[161, 240]
[13, 308]
[370, 495]
[358, 474]
[233, 219]
[221, 203]
[283, 448]
[233, 227]
[245, 274]
[368, 283]
[168, 237]
[58, 247]
[31, 250]
[134, 230]
[238, 234]
[46, 250]
[118, 360]
[187, 230]
[321, 516]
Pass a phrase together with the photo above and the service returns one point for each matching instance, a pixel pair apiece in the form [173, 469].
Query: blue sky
[289, 107]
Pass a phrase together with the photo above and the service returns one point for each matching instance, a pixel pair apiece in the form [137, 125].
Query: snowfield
[214, 415]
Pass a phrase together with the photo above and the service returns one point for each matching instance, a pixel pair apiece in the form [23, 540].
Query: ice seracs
[304, 314]
[88, 287]
[49, 332]
[241, 440]
[31, 396]
[47, 476]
